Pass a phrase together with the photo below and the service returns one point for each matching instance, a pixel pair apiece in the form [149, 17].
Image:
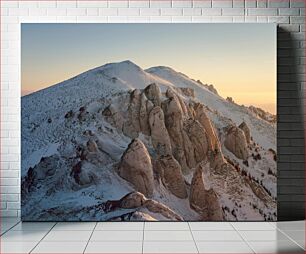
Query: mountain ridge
[75, 134]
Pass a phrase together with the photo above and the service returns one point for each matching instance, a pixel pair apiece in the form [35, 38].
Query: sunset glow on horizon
[238, 59]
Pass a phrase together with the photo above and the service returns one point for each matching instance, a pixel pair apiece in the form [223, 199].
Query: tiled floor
[152, 237]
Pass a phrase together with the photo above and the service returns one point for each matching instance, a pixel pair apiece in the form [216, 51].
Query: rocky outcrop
[132, 200]
[159, 134]
[159, 208]
[235, 142]
[135, 167]
[202, 117]
[176, 127]
[243, 126]
[170, 173]
[92, 146]
[172, 95]
[131, 126]
[212, 89]
[174, 124]
[83, 173]
[189, 150]
[263, 114]
[138, 200]
[258, 190]
[144, 110]
[209, 87]
[197, 196]
[198, 137]
[187, 91]
[202, 199]
[45, 168]
[114, 117]
[216, 157]
[152, 92]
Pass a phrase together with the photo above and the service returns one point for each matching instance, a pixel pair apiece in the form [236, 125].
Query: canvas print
[148, 122]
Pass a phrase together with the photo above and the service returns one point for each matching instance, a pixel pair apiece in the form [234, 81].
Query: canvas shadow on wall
[192, 138]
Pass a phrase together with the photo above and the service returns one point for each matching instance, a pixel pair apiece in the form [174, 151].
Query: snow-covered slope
[63, 179]
[55, 101]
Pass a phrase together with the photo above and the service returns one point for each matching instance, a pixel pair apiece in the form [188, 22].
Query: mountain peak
[122, 64]
[165, 69]
[159, 68]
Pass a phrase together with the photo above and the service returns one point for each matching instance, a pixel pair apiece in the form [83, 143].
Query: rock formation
[159, 208]
[135, 167]
[174, 124]
[132, 200]
[114, 117]
[83, 173]
[138, 200]
[198, 137]
[172, 95]
[152, 92]
[187, 91]
[170, 173]
[159, 134]
[131, 126]
[45, 168]
[92, 146]
[243, 126]
[144, 110]
[235, 142]
[202, 199]
[176, 127]
[202, 117]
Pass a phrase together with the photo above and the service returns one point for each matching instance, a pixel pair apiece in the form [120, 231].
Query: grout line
[143, 232]
[90, 237]
[193, 238]
[290, 238]
[42, 238]
[244, 240]
[10, 228]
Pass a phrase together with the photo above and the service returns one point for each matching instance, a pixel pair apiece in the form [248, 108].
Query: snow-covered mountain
[121, 143]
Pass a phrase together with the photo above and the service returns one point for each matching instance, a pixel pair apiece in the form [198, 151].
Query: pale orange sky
[238, 59]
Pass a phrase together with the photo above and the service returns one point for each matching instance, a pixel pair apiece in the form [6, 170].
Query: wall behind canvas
[289, 14]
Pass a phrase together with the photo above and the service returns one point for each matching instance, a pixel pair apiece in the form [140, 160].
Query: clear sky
[238, 59]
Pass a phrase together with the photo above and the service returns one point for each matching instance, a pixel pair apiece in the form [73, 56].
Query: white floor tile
[296, 235]
[273, 235]
[276, 247]
[221, 226]
[69, 236]
[69, 226]
[119, 226]
[107, 236]
[167, 236]
[23, 236]
[166, 226]
[114, 247]
[291, 225]
[60, 247]
[33, 226]
[223, 247]
[301, 243]
[5, 226]
[9, 220]
[17, 247]
[216, 236]
[169, 247]
[253, 226]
